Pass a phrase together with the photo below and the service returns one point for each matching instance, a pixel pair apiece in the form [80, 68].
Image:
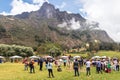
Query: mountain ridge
[50, 24]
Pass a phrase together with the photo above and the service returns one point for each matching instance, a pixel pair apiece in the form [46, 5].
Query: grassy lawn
[109, 53]
[100, 53]
[77, 54]
[14, 71]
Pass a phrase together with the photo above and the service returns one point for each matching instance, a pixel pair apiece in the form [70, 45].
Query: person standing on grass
[69, 61]
[99, 66]
[56, 63]
[65, 62]
[38, 61]
[114, 64]
[88, 63]
[25, 62]
[76, 66]
[41, 63]
[80, 62]
[117, 66]
[109, 67]
[50, 70]
[31, 65]
[46, 62]
[103, 65]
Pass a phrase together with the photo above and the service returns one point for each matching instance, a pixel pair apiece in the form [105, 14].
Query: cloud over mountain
[106, 12]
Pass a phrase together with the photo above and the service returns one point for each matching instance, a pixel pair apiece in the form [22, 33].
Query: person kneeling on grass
[50, 70]
[59, 69]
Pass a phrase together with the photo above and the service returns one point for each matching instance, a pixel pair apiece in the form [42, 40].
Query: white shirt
[115, 62]
[88, 64]
[49, 66]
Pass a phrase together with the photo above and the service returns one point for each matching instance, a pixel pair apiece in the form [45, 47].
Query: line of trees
[110, 46]
[104, 46]
[11, 50]
[49, 48]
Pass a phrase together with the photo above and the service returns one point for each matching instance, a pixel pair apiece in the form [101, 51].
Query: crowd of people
[101, 65]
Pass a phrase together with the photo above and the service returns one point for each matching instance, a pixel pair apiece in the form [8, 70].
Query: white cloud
[64, 24]
[4, 13]
[69, 12]
[61, 6]
[39, 1]
[19, 6]
[72, 24]
[106, 12]
[75, 24]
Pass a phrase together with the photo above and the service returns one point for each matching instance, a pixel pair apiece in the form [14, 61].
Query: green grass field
[109, 54]
[100, 53]
[15, 71]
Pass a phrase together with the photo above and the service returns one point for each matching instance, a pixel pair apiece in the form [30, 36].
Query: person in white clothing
[115, 64]
[49, 67]
[88, 63]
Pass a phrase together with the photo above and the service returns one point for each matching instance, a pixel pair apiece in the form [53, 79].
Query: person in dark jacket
[41, 63]
[80, 62]
[76, 66]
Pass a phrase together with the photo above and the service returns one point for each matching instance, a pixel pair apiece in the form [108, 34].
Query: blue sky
[64, 5]
[106, 12]
[5, 5]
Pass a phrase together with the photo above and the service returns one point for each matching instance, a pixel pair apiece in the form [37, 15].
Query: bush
[10, 50]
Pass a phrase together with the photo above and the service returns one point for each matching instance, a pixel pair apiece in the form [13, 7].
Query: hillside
[49, 24]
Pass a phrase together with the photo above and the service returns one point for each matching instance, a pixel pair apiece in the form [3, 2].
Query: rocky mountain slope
[50, 24]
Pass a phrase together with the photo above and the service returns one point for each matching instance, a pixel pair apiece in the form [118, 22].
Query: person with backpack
[31, 65]
[75, 66]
